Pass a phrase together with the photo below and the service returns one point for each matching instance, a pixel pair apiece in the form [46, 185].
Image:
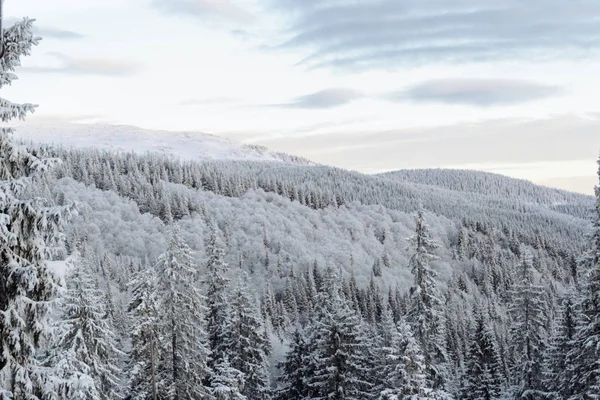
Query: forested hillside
[143, 276]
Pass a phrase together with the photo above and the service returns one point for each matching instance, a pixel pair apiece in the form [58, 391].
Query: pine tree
[424, 312]
[406, 375]
[484, 367]
[143, 311]
[227, 382]
[86, 340]
[558, 369]
[586, 349]
[528, 312]
[339, 358]
[247, 344]
[294, 369]
[183, 364]
[216, 286]
[28, 227]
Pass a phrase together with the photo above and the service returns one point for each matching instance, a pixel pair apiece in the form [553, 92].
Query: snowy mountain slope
[183, 145]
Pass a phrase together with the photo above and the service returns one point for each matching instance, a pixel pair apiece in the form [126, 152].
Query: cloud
[47, 32]
[208, 101]
[50, 32]
[387, 33]
[203, 9]
[509, 141]
[87, 66]
[476, 92]
[327, 98]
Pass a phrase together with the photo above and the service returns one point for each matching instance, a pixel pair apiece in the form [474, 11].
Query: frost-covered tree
[183, 364]
[246, 344]
[216, 294]
[558, 368]
[406, 376]
[227, 382]
[28, 233]
[484, 366]
[85, 338]
[339, 358]
[424, 313]
[586, 351]
[145, 336]
[294, 369]
[528, 310]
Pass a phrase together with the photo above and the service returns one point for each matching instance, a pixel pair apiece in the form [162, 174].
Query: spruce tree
[586, 349]
[216, 294]
[294, 368]
[528, 311]
[424, 313]
[227, 382]
[28, 227]
[484, 367]
[85, 337]
[339, 358]
[246, 343]
[183, 366]
[145, 336]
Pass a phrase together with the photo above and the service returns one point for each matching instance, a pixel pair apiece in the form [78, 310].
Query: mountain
[181, 145]
[303, 246]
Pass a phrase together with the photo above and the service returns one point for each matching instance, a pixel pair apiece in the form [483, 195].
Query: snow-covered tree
[28, 233]
[558, 368]
[145, 336]
[246, 343]
[294, 369]
[406, 376]
[339, 358]
[424, 313]
[216, 294]
[85, 340]
[586, 350]
[183, 364]
[528, 310]
[484, 367]
[227, 382]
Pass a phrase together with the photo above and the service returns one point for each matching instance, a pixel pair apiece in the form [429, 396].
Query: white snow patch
[184, 145]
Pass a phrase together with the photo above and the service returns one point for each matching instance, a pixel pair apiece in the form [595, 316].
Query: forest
[139, 276]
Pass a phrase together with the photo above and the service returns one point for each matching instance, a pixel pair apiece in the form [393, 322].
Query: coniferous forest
[138, 276]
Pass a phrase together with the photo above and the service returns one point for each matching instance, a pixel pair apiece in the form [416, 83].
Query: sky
[506, 86]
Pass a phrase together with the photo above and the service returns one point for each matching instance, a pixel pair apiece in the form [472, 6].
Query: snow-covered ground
[184, 145]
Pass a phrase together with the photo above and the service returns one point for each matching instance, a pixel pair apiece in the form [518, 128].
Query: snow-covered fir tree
[145, 337]
[183, 363]
[424, 313]
[28, 228]
[294, 369]
[528, 310]
[227, 382]
[86, 341]
[217, 284]
[246, 343]
[585, 356]
[484, 379]
[340, 366]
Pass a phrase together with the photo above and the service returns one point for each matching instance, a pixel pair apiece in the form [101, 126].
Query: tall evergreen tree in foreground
[28, 233]
[86, 341]
[216, 283]
[586, 351]
[183, 366]
[424, 313]
[145, 346]
[339, 357]
[246, 343]
[528, 311]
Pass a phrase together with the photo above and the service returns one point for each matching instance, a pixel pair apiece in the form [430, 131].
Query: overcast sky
[508, 86]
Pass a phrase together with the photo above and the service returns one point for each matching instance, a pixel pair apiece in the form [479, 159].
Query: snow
[184, 145]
